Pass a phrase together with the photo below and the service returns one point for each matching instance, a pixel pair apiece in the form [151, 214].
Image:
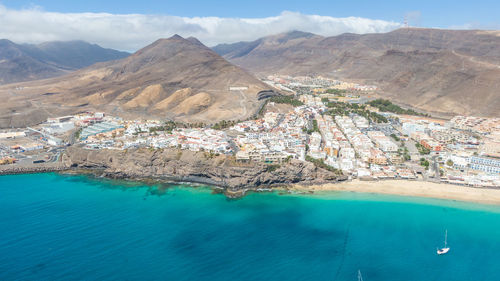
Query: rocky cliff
[200, 167]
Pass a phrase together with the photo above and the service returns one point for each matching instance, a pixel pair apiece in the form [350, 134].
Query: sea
[76, 227]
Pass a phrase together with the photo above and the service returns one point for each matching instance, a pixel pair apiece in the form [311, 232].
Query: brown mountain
[173, 78]
[441, 71]
[28, 62]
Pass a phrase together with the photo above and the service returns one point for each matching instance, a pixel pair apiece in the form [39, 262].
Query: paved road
[72, 137]
[435, 166]
[410, 144]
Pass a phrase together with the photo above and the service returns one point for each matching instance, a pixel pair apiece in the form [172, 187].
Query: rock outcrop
[200, 167]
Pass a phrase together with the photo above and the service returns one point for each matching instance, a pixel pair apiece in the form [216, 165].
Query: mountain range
[25, 62]
[444, 72]
[174, 78]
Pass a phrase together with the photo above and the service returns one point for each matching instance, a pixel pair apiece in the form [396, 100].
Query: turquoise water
[57, 227]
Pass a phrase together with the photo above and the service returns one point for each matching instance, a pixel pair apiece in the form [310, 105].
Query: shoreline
[409, 188]
[41, 168]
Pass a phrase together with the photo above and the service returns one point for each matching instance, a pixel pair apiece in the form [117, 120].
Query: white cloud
[133, 31]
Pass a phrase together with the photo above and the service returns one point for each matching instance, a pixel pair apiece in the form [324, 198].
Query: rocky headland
[197, 167]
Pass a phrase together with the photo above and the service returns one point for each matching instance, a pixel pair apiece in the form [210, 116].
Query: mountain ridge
[141, 85]
[444, 72]
[26, 62]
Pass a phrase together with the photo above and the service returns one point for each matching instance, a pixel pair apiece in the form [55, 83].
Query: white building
[409, 128]
[59, 127]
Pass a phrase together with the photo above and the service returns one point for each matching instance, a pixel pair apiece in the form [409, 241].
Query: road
[72, 136]
[412, 149]
[435, 166]
[243, 103]
[473, 60]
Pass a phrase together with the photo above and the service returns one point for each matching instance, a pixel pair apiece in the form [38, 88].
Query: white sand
[412, 188]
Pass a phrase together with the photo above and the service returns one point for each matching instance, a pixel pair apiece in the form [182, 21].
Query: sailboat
[445, 249]
[360, 278]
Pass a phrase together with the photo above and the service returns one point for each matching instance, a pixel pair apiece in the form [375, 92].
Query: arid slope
[441, 71]
[28, 62]
[173, 78]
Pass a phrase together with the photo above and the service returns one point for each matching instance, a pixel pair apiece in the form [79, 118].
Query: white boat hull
[443, 251]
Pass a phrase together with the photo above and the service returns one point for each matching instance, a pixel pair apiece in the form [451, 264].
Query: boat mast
[445, 238]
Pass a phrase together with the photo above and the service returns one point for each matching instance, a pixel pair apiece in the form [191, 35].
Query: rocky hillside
[441, 71]
[181, 165]
[172, 78]
[28, 62]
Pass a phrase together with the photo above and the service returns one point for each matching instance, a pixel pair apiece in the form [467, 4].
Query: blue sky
[424, 13]
[130, 25]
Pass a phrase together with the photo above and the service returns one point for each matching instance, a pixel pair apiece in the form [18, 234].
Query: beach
[411, 188]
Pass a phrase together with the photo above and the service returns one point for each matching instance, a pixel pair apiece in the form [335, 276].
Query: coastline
[235, 179]
[33, 169]
[409, 188]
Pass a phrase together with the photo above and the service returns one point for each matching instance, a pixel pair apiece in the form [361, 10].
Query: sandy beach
[412, 188]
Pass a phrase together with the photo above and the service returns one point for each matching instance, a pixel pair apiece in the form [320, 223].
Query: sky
[130, 25]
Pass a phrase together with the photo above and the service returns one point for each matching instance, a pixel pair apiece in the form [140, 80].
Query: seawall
[32, 169]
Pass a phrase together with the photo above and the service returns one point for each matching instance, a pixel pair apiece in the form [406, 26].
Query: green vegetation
[261, 110]
[78, 133]
[192, 125]
[387, 106]
[286, 100]
[342, 108]
[210, 154]
[166, 127]
[373, 116]
[424, 163]
[319, 163]
[169, 126]
[224, 124]
[315, 128]
[336, 92]
[396, 138]
[422, 149]
[404, 152]
[449, 163]
[277, 99]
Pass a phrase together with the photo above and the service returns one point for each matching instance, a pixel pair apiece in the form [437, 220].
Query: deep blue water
[57, 227]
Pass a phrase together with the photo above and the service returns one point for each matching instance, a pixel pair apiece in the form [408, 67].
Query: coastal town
[338, 126]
